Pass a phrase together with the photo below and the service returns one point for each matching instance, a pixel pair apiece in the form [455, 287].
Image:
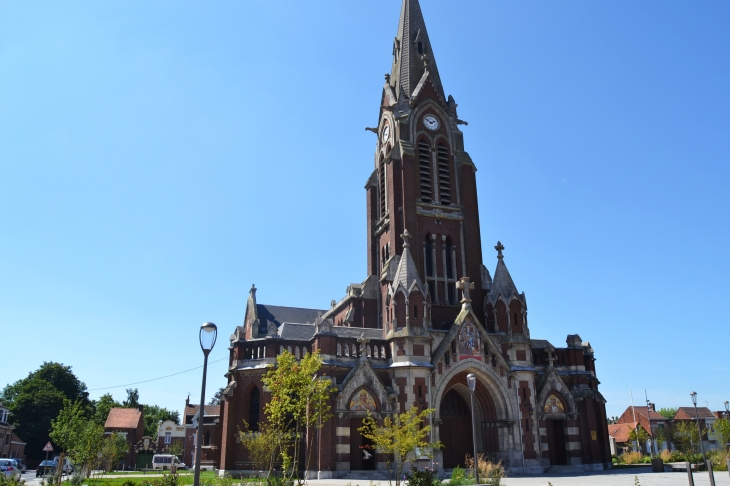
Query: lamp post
[208, 333]
[471, 380]
[727, 409]
[708, 464]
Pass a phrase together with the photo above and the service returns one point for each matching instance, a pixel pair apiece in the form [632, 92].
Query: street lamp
[208, 333]
[708, 464]
[727, 409]
[471, 380]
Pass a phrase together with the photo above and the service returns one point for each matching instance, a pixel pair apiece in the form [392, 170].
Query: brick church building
[428, 313]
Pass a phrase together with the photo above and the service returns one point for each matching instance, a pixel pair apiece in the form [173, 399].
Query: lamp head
[471, 380]
[208, 333]
[694, 398]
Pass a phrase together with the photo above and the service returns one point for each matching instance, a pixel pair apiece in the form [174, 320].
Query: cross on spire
[499, 249]
[362, 339]
[465, 286]
[406, 236]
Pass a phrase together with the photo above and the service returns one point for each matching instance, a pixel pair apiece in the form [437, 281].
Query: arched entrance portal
[455, 429]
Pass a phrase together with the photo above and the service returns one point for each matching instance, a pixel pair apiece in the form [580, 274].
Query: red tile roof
[123, 418]
[620, 432]
[210, 410]
[688, 413]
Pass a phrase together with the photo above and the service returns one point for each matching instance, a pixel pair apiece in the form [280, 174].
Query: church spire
[412, 53]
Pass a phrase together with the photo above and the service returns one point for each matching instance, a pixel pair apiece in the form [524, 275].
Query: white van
[164, 461]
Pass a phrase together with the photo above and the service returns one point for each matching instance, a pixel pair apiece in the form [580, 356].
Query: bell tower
[423, 181]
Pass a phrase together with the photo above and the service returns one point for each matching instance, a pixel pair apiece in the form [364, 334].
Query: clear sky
[157, 158]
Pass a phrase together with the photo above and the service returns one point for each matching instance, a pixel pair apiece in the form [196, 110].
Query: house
[210, 451]
[428, 313]
[707, 423]
[129, 423]
[618, 435]
[653, 422]
[169, 433]
[10, 444]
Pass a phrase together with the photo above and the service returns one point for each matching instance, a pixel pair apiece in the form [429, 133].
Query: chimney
[652, 407]
[140, 408]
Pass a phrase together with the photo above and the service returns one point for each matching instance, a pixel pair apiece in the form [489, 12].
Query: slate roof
[541, 344]
[502, 283]
[356, 332]
[406, 275]
[688, 413]
[123, 418]
[296, 332]
[279, 315]
[408, 68]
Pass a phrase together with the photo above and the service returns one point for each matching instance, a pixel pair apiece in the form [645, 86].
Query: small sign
[594, 436]
[48, 447]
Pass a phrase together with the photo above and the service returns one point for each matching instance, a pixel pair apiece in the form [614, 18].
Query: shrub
[719, 459]
[631, 457]
[12, 481]
[489, 472]
[459, 477]
[666, 455]
[427, 477]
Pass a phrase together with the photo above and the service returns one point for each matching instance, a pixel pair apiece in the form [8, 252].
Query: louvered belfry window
[424, 165]
[444, 174]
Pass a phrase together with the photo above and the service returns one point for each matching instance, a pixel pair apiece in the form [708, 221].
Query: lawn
[184, 478]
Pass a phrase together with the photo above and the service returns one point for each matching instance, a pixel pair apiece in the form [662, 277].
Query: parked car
[21, 464]
[45, 467]
[182, 466]
[18, 463]
[67, 466]
[164, 461]
[9, 468]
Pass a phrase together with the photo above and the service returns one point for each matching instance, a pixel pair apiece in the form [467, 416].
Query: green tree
[78, 435]
[113, 448]
[299, 403]
[153, 415]
[132, 400]
[685, 436]
[261, 445]
[400, 438]
[176, 447]
[638, 434]
[217, 398]
[668, 413]
[102, 406]
[722, 429]
[35, 401]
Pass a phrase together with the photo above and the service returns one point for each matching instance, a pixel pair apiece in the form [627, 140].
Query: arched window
[382, 352]
[296, 352]
[281, 349]
[206, 439]
[339, 349]
[444, 174]
[424, 169]
[369, 353]
[253, 410]
[288, 348]
[420, 47]
[450, 255]
[347, 350]
[381, 185]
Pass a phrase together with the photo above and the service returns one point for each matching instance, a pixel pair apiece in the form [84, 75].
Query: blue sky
[157, 158]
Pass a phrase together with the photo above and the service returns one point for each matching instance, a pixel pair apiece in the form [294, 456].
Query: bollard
[728, 465]
[689, 474]
[708, 463]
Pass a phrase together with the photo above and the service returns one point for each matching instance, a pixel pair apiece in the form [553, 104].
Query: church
[429, 313]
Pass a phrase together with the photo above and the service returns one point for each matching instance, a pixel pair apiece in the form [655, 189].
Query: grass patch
[207, 476]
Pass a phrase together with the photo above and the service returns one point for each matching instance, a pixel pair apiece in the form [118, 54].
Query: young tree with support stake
[299, 403]
[400, 438]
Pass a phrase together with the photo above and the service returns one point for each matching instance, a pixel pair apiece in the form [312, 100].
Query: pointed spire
[407, 274]
[412, 52]
[502, 283]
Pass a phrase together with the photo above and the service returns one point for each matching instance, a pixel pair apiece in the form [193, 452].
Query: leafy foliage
[132, 400]
[217, 397]
[685, 436]
[299, 402]
[489, 472]
[399, 437]
[262, 446]
[722, 430]
[427, 477]
[638, 434]
[81, 438]
[35, 401]
[668, 413]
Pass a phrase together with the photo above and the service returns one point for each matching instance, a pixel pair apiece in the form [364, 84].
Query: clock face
[386, 133]
[431, 122]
